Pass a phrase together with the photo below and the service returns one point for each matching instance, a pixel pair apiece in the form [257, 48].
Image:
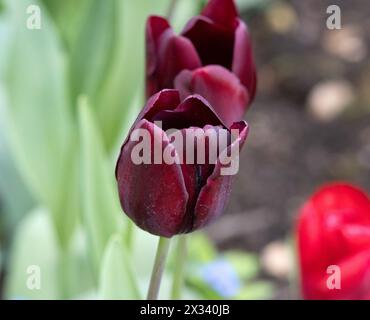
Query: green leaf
[15, 198]
[5, 37]
[108, 60]
[125, 77]
[143, 251]
[245, 264]
[244, 5]
[185, 10]
[38, 116]
[201, 249]
[35, 245]
[74, 281]
[100, 206]
[256, 291]
[1, 258]
[91, 55]
[68, 16]
[117, 280]
[202, 288]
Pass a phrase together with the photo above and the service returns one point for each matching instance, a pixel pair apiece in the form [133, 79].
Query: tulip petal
[325, 221]
[176, 54]
[166, 99]
[355, 275]
[354, 280]
[155, 27]
[243, 62]
[154, 196]
[171, 55]
[194, 176]
[214, 43]
[222, 12]
[193, 111]
[199, 162]
[355, 238]
[352, 203]
[214, 195]
[334, 229]
[228, 97]
[309, 234]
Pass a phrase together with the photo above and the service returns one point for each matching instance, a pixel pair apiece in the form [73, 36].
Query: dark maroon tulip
[212, 57]
[168, 199]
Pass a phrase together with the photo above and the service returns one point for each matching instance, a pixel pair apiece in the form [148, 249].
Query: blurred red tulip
[168, 199]
[334, 244]
[211, 57]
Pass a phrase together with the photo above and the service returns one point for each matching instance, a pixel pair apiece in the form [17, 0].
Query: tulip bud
[334, 244]
[211, 57]
[164, 186]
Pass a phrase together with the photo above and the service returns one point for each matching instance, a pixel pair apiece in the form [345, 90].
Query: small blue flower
[221, 276]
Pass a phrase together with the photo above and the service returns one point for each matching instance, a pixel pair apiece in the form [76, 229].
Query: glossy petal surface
[220, 87]
[334, 229]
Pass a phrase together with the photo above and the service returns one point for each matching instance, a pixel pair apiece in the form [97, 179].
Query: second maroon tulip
[211, 57]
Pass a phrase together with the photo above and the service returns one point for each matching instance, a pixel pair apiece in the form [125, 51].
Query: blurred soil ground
[310, 122]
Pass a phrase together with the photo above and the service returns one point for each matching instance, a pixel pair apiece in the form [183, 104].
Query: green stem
[160, 260]
[178, 278]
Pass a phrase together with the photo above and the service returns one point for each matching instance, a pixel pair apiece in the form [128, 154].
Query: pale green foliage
[68, 93]
[101, 212]
[117, 278]
[62, 145]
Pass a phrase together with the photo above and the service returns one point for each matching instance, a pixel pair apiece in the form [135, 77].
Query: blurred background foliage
[68, 94]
